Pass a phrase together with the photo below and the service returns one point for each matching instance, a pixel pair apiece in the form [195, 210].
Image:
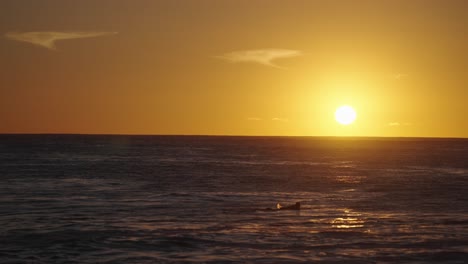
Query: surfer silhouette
[296, 206]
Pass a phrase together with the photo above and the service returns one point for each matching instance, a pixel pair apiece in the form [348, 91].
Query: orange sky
[234, 67]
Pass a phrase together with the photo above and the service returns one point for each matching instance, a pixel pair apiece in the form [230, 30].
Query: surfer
[296, 206]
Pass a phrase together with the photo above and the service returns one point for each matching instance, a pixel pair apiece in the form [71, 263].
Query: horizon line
[235, 135]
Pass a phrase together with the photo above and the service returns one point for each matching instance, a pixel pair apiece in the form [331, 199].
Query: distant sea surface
[190, 199]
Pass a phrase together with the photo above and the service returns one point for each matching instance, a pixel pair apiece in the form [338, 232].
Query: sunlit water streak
[89, 199]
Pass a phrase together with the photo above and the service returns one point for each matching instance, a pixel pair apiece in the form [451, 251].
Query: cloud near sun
[261, 56]
[47, 39]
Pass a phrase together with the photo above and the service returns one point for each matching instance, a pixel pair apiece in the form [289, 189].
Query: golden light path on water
[351, 220]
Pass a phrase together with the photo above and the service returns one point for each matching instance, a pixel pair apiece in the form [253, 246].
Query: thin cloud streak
[280, 119]
[261, 56]
[397, 124]
[47, 39]
[399, 76]
[393, 124]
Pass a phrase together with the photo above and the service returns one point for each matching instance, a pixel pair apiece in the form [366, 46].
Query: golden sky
[239, 67]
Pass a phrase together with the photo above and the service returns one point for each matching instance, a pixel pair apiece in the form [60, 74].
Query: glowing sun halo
[345, 115]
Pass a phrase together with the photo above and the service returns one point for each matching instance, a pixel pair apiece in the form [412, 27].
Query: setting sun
[345, 115]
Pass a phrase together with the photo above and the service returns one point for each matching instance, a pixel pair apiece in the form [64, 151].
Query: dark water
[158, 199]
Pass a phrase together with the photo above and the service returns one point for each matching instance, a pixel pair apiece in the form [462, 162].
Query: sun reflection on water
[349, 178]
[349, 220]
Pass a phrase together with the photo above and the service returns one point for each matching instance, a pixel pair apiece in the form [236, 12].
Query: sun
[345, 115]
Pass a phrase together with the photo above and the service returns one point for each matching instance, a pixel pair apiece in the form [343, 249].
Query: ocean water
[188, 199]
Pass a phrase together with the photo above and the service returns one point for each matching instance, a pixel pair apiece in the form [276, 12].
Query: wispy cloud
[261, 56]
[393, 124]
[276, 119]
[400, 76]
[280, 119]
[397, 124]
[47, 39]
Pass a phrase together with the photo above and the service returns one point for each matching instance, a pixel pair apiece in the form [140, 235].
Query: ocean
[204, 199]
